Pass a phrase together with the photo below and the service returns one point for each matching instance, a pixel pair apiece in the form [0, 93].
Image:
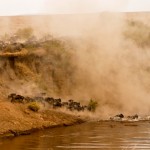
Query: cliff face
[42, 67]
[32, 64]
[32, 60]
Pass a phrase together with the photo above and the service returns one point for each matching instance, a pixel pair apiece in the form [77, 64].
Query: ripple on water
[85, 136]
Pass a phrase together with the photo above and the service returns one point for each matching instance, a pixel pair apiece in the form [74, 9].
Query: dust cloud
[108, 67]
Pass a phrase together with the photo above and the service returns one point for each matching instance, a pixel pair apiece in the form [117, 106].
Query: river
[87, 136]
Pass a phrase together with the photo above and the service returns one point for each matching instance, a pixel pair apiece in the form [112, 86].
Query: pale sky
[26, 7]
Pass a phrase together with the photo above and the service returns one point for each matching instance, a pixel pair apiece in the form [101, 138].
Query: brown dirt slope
[16, 119]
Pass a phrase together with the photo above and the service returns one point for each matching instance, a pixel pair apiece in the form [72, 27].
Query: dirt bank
[17, 119]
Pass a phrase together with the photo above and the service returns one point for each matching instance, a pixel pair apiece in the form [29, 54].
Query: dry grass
[21, 53]
[16, 117]
[25, 71]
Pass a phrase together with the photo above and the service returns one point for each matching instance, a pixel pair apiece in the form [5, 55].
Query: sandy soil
[17, 119]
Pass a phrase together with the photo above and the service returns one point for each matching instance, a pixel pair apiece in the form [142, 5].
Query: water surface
[96, 135]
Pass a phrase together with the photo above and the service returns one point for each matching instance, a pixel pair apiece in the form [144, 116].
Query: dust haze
[110, 63]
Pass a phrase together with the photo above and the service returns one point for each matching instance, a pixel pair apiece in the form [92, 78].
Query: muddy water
[98, 135]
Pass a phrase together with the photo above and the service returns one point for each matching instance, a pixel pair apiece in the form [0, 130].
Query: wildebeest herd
[54, 103]
[121, 117]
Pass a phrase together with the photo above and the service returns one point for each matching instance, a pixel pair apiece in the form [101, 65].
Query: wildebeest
[117, 117]
[28, 99]
[54, 103]
[57, 103]
[50, 100]
[72, 105]
[133, 117]
[12, 95]
[16, 98]
[120, 115]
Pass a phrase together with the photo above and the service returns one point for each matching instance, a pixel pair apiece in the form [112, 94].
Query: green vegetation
[34, 106]
[92, 105]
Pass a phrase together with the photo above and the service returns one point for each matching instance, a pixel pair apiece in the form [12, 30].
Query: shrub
[34, 106]
[92, 105]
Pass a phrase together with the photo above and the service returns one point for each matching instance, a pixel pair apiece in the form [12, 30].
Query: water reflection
[98, 135]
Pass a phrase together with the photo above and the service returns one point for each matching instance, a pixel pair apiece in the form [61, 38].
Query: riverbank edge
[13, 118]
[15, 133]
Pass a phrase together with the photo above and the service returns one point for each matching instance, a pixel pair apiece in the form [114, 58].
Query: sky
[27, 7]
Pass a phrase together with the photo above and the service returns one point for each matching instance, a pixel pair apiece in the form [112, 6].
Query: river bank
[17, 119]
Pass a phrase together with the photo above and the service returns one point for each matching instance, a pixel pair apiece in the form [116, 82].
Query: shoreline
[12, 133]
[16, 120]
